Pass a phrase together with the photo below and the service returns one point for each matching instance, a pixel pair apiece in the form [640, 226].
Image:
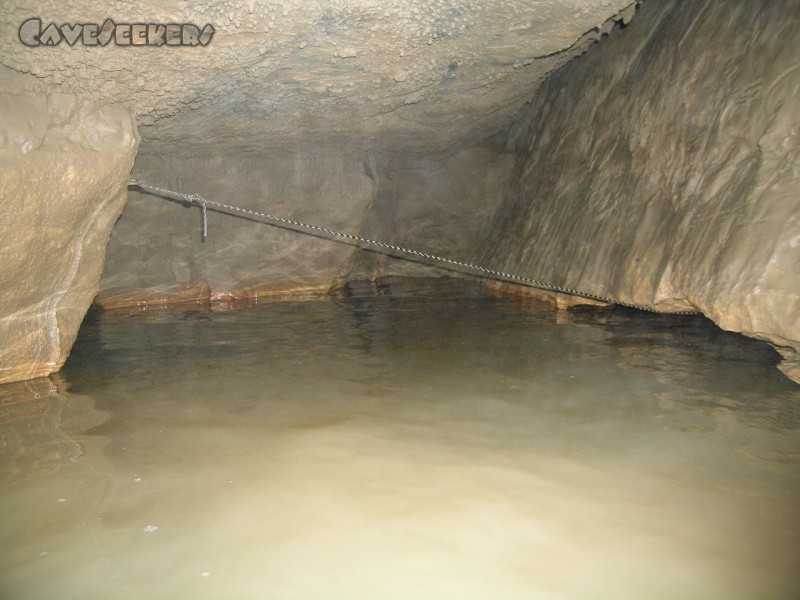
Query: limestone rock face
[439, 204]
[64, 164]
[663, 168]
[434, 204]
[157, 254]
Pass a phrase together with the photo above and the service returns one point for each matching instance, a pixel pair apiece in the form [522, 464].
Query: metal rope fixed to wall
[205, 205]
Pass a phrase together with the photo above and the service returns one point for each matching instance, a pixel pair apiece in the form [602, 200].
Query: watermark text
[33, 33]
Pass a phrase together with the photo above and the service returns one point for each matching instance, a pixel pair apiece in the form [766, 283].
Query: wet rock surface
[64, 164]
[663, 169]
[157, 254]
[436, 203]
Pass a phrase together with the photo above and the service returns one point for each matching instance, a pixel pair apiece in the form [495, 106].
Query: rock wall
[157, 255]
[64, 164]
[663, 168]
[438, 203]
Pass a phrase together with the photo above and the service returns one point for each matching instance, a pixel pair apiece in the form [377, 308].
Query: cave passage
[198, 406]
[645, 152]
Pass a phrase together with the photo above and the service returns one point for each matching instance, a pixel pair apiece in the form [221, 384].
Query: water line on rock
[359, 241]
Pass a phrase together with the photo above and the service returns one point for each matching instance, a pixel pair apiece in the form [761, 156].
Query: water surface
[417, 439]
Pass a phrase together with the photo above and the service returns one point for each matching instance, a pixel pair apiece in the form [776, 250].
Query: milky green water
[415, 440]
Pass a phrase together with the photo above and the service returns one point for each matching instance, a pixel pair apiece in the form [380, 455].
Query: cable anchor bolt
[201, 202]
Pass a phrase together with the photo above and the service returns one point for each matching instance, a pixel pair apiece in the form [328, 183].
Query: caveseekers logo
[32, 34]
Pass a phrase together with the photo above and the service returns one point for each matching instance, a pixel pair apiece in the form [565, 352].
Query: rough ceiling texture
[285, 74]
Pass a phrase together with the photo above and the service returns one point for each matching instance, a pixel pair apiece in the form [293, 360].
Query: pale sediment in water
[411, 440]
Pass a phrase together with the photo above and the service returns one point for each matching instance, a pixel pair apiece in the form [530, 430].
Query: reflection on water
[414, 440]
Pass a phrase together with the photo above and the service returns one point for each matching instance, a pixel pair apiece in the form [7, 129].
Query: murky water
[417, 440]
